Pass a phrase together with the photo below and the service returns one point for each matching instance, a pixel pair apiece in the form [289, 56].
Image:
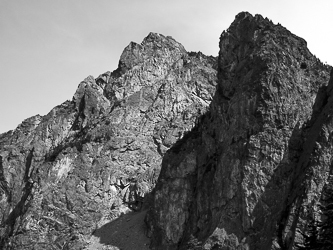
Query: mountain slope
[66, 174]
[226, 153]
[252, 170]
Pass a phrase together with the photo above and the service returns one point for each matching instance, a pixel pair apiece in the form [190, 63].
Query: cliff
[252, 171]
[64, 175]
[231, 152]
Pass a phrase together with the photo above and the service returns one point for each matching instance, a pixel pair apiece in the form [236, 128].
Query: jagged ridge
[73, 170]
[243, 166]
[243, 179]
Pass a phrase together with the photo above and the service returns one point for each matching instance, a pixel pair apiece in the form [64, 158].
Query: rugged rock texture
[246, 142]
[251, 172]
[66, 174]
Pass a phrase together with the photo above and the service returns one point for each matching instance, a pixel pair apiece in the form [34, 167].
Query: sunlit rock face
[226, 153]
[65, 174]
[251, 171]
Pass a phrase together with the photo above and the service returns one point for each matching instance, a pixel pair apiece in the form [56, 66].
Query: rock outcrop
[252, 170]
[230, 153]
[65, 174]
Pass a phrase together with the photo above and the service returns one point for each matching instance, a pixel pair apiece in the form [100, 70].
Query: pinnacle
[166, 41]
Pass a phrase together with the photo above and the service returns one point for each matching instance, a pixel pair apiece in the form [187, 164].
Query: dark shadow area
[21, 207]
[128, 229]
[126, 232]
[270, 209]
[277, 210]
[287, 188]
[3, 182]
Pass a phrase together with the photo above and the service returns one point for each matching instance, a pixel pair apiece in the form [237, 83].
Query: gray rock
[244, 141]
[63, 174]
[252, 170]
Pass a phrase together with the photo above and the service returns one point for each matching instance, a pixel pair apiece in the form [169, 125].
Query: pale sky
[47, 47]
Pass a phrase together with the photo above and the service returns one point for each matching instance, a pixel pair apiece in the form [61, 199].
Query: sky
[48, 47]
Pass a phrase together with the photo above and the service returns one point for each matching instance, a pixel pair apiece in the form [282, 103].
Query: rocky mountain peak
[155, 45]
[235, 181]
[74, 170]
[159, 40]
[227, 152]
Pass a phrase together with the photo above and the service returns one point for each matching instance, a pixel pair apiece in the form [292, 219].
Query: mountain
[251, 172]
[65, 174]
[227, 152]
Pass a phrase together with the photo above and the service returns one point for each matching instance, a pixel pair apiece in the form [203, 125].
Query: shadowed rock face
[245, 141]
[252, 170]
[65, 174]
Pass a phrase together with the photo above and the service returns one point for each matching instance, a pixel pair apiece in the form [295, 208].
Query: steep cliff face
[252, 170]
[67, 173]
[246, 143]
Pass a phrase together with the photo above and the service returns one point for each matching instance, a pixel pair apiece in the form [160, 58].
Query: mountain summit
[64, 175]
[227, 152]
[253, 169]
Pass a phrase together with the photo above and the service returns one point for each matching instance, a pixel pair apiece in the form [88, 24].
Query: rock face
[252, 170]
[65, 174]
[244, 141]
